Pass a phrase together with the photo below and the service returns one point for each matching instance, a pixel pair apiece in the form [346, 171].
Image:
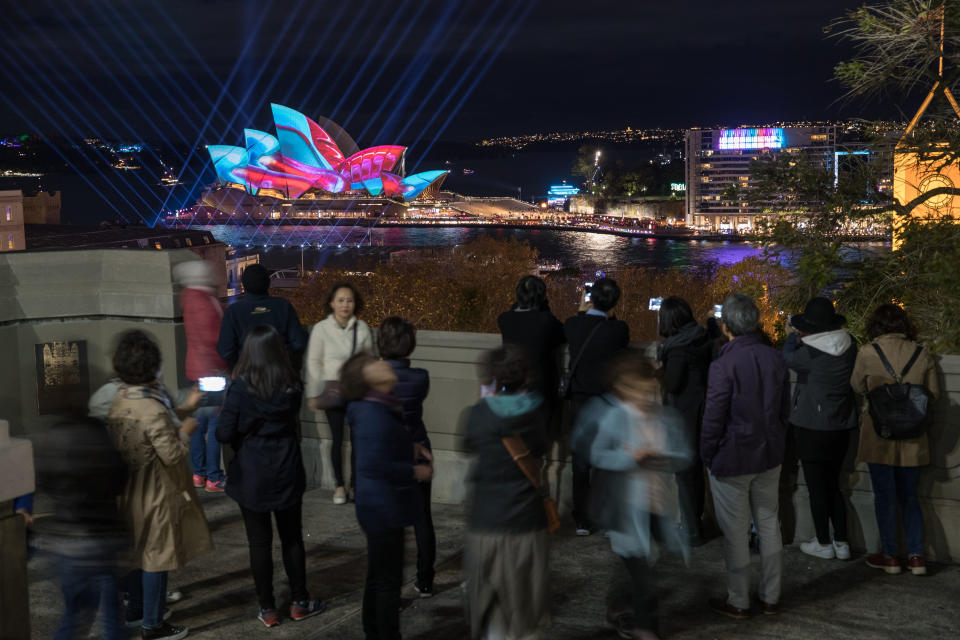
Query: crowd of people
[714, 412]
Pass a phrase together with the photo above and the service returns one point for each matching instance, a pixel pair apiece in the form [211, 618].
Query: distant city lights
[764, 138]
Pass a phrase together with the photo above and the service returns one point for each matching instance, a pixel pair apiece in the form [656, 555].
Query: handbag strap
[583, 347]
[889, 367]
[521, 455]
[353, 347]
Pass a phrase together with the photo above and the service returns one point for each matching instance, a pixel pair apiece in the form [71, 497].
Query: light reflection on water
[572, 248]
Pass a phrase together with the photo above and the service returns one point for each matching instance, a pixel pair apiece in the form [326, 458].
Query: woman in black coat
[266, 476]
[684, 357]
[531, 325]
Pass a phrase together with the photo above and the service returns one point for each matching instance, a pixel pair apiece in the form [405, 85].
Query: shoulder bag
[533, 470]
[332, 395]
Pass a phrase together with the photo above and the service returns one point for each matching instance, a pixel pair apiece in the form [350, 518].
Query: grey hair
[740, 314]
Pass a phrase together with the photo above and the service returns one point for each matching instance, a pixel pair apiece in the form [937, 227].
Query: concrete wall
[11, 221]
[42, 207]
[450, 358]
[94, 295]
[90, 295]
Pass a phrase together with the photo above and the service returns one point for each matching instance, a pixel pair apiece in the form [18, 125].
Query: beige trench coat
[869, 373]
[160, 503]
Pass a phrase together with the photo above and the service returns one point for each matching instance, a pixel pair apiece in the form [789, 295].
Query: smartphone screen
[655, 303]
[212, 383]
[717, 311]
[587, 286]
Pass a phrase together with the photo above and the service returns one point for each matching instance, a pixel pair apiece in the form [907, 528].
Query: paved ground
[822, 599]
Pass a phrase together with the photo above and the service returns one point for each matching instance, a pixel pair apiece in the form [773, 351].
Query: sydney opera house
[309, 170]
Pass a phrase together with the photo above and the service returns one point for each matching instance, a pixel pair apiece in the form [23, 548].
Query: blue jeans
[88, 585]
[204, 448]
[148, 593]
[893, 486]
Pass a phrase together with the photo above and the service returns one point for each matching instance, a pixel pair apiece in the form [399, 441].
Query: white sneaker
[841, 550]
[339, 496]
[817, 550]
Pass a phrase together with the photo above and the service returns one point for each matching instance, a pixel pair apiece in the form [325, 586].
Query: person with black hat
[823, 414]
[258, 307]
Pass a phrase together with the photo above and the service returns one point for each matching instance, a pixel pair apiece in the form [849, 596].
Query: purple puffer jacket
[748, 403]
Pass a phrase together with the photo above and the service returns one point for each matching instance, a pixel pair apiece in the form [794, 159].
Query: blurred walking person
[823, 413]
[259, 421]
[894, 464]
[80, 469]
[388, 496]
[595, 337]
[505, 555]
[396, 340]
[684, 355]
[742, 444]
[202, 315]
[333, 341]
[637, 446]
[160, 503]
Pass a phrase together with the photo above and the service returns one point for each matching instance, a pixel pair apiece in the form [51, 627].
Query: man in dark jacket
[595, 338]
[258, 307]
[742, 444]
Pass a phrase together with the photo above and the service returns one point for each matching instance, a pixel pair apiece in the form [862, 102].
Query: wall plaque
[63, 377]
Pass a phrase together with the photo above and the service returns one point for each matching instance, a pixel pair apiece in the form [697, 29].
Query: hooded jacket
[413, 385]
[685, 357]
[266, 472]
[748, 403]
[502, 500]
[388, 496]
[823, 399]
[255, 309]
[202, 315]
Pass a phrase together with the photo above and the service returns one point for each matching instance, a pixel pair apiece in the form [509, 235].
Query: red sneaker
[882, 561]
[216, 487]
[269, 617]
[303, 609]
[917, 566]
[199, 481]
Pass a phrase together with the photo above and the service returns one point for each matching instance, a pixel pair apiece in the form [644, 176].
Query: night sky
[409, 71]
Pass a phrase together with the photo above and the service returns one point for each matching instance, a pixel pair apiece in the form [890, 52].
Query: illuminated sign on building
[763, 138]
[563, 190]
[678, 186]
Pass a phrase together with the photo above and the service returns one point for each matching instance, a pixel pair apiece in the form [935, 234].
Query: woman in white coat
[332, 341]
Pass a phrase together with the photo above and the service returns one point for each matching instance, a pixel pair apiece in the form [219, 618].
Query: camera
[587, 286]
[212, 383]
[655, 304]
[717, 311]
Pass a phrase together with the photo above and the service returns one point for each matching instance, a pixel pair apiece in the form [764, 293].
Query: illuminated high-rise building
[717, 159]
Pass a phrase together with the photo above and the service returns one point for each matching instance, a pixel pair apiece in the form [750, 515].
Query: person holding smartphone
[595, 338]
[202, 316]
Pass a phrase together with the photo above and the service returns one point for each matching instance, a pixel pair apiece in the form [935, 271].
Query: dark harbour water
[578, 249]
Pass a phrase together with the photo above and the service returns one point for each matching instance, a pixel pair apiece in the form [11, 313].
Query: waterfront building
[717, 159]
[11, 221]
[313, 167]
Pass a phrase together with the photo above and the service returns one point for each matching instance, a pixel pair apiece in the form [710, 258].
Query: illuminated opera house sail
[305, 160]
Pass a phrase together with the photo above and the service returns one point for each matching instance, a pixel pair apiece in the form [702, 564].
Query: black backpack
[900, 410]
